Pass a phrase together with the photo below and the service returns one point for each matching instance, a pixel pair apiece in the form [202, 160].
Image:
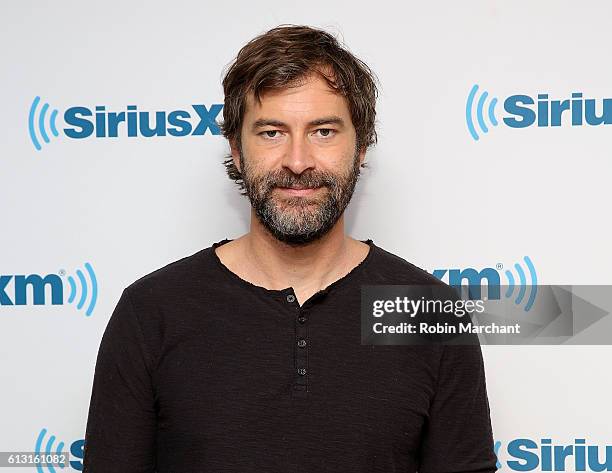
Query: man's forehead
[308, 95]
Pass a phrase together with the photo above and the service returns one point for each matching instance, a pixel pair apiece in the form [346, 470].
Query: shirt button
[302, 319]
[290, 298]
[301, 343]
[301, 371]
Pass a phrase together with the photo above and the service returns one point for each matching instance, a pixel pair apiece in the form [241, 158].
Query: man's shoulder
[390, 268]
[177, 275]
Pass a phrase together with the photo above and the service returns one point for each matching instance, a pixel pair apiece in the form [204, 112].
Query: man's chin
[297, 239]
[294, 233]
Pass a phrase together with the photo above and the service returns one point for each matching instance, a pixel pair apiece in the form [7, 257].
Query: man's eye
[270, 133]
[326, 132]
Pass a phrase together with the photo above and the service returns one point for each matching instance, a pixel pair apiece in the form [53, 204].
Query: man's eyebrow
[331, 120]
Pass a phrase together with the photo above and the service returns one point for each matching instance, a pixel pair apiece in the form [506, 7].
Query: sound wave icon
[522, 286]
[40, 123]
[48, 450]
[496, 448]
[85, 287]
[480, 112]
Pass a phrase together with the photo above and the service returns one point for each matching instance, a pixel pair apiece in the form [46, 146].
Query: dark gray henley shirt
[201, 371]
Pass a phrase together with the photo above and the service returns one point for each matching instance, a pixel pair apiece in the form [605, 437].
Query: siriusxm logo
[475, 279]
[530, 455]
[524, 111]
[45, 446]
[84, 122]
[83, 290]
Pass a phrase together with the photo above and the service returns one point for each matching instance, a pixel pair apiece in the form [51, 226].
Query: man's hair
[282, 57]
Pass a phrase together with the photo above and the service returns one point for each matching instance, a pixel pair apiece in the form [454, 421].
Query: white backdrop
[433, 194]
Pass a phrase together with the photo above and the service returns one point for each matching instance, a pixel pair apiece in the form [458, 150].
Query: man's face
[298, 159]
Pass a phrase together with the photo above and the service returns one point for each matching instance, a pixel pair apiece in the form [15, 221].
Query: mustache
[284, 179]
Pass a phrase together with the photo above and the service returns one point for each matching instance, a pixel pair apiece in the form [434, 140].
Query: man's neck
[261, 259]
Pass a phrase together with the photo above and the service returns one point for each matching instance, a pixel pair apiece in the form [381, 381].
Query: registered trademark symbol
[499, 266]
[62, 272]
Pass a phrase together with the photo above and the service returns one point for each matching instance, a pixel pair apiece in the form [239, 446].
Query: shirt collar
[346, 279]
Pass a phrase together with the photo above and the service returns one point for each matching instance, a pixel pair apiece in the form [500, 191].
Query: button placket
[301, 351]
[301, 344]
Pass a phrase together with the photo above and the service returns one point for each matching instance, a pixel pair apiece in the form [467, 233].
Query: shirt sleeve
[458, 436]
[121, 425]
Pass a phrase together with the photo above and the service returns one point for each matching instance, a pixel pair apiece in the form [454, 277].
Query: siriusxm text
[82, 122]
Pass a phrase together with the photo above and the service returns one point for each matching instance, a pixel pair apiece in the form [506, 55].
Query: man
[246, 356]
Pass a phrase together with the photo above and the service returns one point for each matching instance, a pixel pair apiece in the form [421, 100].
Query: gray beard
[303, 220]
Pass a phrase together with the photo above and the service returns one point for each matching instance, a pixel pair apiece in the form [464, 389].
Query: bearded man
[246, 356]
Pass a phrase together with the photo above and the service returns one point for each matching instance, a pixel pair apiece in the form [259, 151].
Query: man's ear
[362, 155]
[235, 152]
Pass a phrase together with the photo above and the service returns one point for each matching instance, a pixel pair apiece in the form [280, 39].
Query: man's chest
[238, 379]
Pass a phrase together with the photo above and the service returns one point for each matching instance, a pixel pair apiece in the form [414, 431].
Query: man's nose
[298, 156]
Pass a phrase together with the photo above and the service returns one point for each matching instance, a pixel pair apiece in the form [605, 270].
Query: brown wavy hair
[283, 56]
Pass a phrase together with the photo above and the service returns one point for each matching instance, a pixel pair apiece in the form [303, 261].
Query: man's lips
[301, 191]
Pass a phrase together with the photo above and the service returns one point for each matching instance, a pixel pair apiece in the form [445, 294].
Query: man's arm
[458, 436]
[121, 426]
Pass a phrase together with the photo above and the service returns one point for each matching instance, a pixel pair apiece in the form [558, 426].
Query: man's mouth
[299, 190]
